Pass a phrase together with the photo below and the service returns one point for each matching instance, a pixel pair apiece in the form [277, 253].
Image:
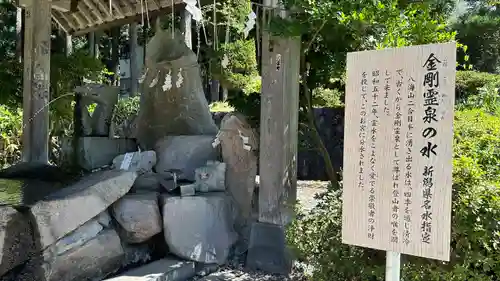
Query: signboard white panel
[398, 149]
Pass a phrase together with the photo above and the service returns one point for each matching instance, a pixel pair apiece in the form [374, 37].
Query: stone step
[167, 269]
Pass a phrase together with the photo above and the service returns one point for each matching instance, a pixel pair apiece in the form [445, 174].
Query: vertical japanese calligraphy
[430, 148]
[373, 157]
[408, 182]
[362, 131]
[398, 149]
[396, 161]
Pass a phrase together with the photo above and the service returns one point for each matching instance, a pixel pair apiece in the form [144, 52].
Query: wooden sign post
[398, 152]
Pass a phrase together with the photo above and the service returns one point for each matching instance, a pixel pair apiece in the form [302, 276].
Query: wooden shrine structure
[280, 87]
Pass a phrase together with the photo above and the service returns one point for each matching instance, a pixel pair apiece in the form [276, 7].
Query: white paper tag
[168, 82]
[247, 147]
[127, 160]
[215, 143]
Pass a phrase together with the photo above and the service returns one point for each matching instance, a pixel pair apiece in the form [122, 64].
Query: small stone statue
[105, 97]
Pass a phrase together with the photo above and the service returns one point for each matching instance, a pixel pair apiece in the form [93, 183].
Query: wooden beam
[61, 5]
[86, 14]
[122, 21]
[95, 11]
[36, 82]
[128, 8]
[79, 20]
[102, 8]
[61, 23]
[117, 8]
[71, 24]
[278, 131]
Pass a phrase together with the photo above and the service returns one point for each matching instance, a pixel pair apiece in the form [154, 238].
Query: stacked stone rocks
[67, 235]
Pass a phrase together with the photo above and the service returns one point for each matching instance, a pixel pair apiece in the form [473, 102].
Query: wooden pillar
[69, 45]
[115, 55]
[186, 28]
[19, 33]
[214, 90]
[278, 127]
[225, 92]
[36, 81]
[134, 69]
[94, 44]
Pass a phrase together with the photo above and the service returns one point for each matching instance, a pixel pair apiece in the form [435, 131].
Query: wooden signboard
[398, 150]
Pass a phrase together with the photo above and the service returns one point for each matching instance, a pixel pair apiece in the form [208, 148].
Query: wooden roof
[92, 15]
[102, 14]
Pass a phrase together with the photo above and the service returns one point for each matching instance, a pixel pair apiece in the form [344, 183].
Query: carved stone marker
[105, 97]
[239, 143]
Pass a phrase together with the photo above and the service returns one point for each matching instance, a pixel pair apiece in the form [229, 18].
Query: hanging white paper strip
[155, 80]
[180, 79]
[250, 24]
[168, 82]
[127, 160]
[141, 80]
[193, 10]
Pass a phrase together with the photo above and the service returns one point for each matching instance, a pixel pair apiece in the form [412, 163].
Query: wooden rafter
[92, 15]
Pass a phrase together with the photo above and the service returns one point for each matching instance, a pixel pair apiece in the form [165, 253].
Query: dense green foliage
[468, 83]
[479, 29]
[10, 135]
[240, 68]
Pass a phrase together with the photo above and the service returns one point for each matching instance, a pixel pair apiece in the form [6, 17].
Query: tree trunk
[330, 170]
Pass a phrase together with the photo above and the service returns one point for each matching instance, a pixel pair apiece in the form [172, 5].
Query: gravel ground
[240, 274]
[306, 190]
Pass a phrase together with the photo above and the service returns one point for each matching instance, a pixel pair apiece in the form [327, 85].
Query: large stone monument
[173, 102]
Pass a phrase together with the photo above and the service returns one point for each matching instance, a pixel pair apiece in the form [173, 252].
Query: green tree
[479, 29]
[331, 29]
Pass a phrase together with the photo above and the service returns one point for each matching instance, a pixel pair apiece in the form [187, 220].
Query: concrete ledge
[96, 152]
[167, 269]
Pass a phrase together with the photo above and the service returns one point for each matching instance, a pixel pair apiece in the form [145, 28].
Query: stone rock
[78, 237]
[141, 162]
[92, 260]
[138, 216]
[211, 177]
[188, 190]
[104, 97]
[184, 153]
[136, 254]
[153, 182]
[173, 100]
[16, 242]
[239, 143]
[148, 182]
[69, 208]
[167, 269]
[204, 234]
[168, 184]
[96, 152]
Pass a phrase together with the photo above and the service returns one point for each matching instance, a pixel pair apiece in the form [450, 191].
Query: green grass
[220, 107]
